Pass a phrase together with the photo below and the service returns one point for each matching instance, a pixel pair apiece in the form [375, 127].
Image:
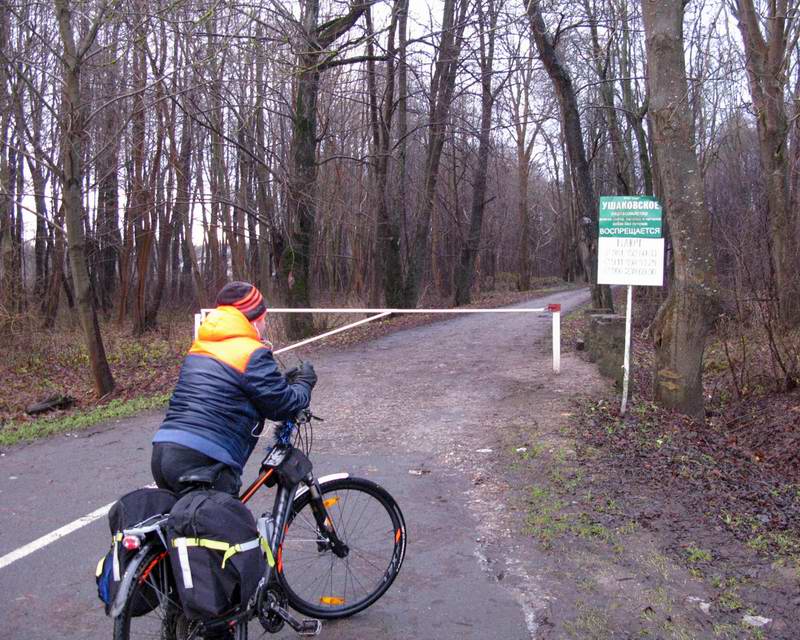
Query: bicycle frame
[285, 497]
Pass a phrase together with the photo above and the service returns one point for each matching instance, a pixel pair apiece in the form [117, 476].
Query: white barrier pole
[330, 333]
[555, 309]
[451, 311]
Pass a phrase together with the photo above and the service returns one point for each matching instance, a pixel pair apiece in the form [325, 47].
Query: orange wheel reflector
[332, 601]
[397, 536]
[331, 501]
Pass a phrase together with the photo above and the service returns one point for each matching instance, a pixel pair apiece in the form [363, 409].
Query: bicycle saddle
[202, 475]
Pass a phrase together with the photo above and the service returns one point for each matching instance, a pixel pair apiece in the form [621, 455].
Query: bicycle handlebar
[285, 430]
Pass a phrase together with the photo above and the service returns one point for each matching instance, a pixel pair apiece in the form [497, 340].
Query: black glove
[306, 375]
[291, 375]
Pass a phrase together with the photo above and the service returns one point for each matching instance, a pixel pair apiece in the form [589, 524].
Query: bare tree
[441, 98]
[72, 177]
[684, 320]
[767, 58]
[487, 30]
[313, 58]
[579, 165]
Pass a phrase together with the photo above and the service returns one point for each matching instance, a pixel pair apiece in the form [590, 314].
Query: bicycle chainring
[268, 616]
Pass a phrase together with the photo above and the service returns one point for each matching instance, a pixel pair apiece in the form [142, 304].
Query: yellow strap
[246, 547]
[229, 553]
[216, 545]
[117, 537]
[267, 552]
[99, 571]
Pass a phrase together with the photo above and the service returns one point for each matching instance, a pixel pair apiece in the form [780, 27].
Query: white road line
[51, 537]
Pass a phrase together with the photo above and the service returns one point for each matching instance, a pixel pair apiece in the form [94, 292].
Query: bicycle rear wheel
[367, 519]
[153, 591]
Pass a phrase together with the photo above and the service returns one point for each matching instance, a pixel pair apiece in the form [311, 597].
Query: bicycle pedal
[310, 627]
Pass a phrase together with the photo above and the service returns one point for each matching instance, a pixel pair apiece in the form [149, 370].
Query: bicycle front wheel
[366, 518]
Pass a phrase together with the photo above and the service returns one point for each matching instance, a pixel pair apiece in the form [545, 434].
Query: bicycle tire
[367, 519]
[154, 584]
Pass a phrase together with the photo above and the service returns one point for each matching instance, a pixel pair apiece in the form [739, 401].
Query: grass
[548, 519]
[695, 555]
[729, 600]
[590, 623]
[15, 433]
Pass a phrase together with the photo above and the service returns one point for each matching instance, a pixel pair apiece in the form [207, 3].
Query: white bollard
[555, 309]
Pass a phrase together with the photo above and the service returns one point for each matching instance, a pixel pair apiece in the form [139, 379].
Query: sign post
[630, 252]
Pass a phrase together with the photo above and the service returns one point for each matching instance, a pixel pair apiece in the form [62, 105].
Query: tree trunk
[767, 76]
[524, 148]
[72, 176]
[141, 196]
[466, 268]
[296, 260]
[9, 283]
[685, 318]
[302, 187]
[579, 166]
[108, 235]
[387, 267]
[52, 293]
[442, 89]
[602, 61]
[634, 113]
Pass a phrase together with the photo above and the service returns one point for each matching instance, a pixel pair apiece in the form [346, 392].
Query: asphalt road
[419, 399]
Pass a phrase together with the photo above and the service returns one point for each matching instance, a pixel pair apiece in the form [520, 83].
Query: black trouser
[171, 461]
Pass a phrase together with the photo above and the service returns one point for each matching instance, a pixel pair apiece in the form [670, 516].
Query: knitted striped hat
[244, 297]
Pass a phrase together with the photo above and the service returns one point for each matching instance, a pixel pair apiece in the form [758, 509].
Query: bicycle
[350, 528]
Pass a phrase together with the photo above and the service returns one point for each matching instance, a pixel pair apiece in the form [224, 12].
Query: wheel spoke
[320, 583]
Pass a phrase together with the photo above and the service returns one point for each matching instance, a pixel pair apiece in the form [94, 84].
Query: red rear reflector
[131, 543]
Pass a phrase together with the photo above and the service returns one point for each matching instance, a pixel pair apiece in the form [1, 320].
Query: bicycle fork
[329, 538]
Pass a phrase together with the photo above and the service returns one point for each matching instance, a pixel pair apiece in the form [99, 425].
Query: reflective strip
[216, 545]
[244, 546]
[183, 557]
[116, 560]
[99, 571]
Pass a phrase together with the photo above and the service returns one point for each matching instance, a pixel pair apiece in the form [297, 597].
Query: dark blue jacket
[229, 381]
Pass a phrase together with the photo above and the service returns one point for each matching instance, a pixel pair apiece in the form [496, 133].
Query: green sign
[630, 217]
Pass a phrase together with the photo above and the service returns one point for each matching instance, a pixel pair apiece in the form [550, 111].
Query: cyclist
[228, 383]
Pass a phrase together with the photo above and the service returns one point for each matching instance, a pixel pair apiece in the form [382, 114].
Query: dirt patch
[649, 526]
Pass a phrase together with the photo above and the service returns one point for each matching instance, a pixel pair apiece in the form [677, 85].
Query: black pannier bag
[127, 512]
[216, 553]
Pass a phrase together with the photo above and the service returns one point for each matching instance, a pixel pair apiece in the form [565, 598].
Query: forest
[390, 153]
